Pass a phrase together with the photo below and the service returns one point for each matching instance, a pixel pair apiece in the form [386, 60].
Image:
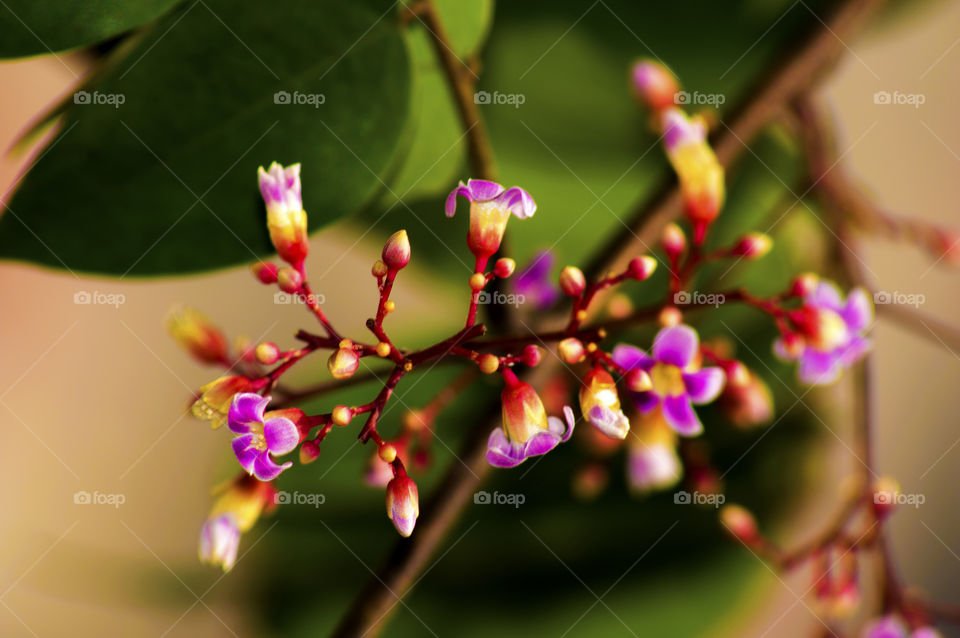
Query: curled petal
[246, 409]
[613, 423]
[266, 469]
[540, 443]
[245, 452]
[631, 357]
[653, 466]
[826, 295]
[482, 190]
[451, 205]
[500, 452]
[281, 434]
[676, 345]
[679, 413]
[219, 540]
[854, 351]
[518, 202]
[703, 386]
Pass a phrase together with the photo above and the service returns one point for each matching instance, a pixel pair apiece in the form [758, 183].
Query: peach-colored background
[91, 397]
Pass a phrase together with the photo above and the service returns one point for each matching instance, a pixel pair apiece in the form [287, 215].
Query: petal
[246, 408]
[676, 345]
[819, 368]
[265, 469]
[645, 401]
[679, 413]
[482, 190]
[704, 385]
[244, 452]
[826, 295]
[780, 350]
[281, 434]
[518, 202]
[540, 443]
[451, 205]
[653, 466]
[500, 452]
[858, 313]
[854, 351]
[631, 357]
[612, 423]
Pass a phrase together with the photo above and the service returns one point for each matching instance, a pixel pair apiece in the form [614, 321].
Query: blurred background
[94, 397]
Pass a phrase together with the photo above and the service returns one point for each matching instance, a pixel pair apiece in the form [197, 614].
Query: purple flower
[490, 207]
[526, 429]
[257, 438]
[219, 540]
[652, 461]
[678, 381]
[534, 281]
[892, 627]
[833, 334]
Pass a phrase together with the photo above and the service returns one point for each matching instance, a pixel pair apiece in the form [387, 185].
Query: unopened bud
[641, 268]
[571, 350]
[670, 316]
[341, 415]
[504, 267]
[740, 523]
[673, 240]
[531, 355]
[383, 349]
[387, 453]
[477, 281]
[343, 363]
[289, 280]
[267, 353]
[389, 306]
[489, 363]
[654, 84]
[803, 284]
[265, 272]
[638, 380]
[619, 306]
[572, 281]
[396, 252]
[379, 269]
[309, 451]
[403, 504]
[753, 245]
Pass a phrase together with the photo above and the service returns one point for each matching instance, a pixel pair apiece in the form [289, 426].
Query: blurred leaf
[165, 181]
[37, 27]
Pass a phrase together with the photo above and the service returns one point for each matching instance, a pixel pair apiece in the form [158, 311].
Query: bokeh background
[93, 397]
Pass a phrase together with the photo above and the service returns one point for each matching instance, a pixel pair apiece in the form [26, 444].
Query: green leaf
[36, 27]
[159, 177]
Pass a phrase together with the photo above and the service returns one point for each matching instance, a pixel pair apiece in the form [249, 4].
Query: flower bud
[531, 355]
[600, 404]
[213, 404]
[740, 523]
[641, 268]
[670, 316]
[697, 167]
[673, 240]
[523, 413]
[194, 332]
[638, 380]
[396, 252]
[265, 272]
[804, 284]
[504, 267]
[341, 415]
[747, 402]
[343, 363]
[572, 281]
[286, 220]
[379, 269]
[571, 350]
[387, 453]
[885, 491]
[489, 363]
[309, 451]
[619, 306]
[289, 280]
[267, 353]
[403, 505]
[654, 84]
[235, 511]
[477, 281]
[753, 245]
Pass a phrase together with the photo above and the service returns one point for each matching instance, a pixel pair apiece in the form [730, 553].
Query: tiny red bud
[403, 504]
[289, 280]
[477, 281]
[803, 284]
[638, 380]
[571, 350]
[504, 267]
[343, 363]
[309, 451]
[396, 252]
[341, 415]
[670, 316]
[532, 355]
[740, 523]
[641, 268]
[489, 363]
[387, 453]
[572, 281]
[379, 269]
[673, 240]
[265, 272]
[753, 245]
[267, 353]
